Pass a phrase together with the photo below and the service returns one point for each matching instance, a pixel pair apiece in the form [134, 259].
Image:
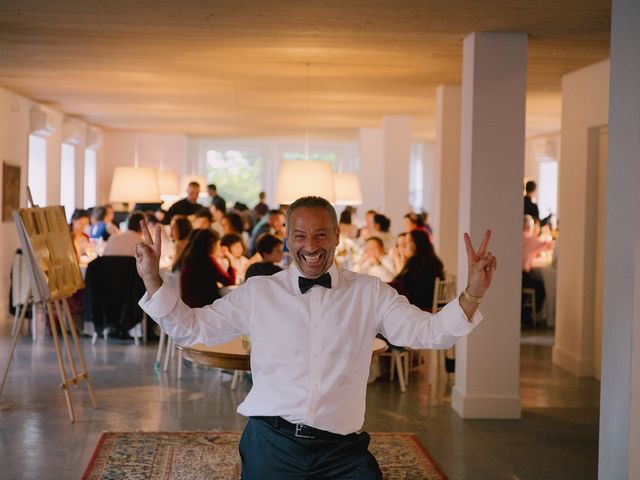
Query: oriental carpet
[214, 455]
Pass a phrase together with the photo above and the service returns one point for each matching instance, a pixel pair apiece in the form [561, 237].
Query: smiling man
[312, 329]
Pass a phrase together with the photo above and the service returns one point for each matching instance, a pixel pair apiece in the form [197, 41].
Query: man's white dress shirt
[310, 353]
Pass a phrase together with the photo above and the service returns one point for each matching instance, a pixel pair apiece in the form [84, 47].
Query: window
[37, 169]
[416, 178]
[332, 158]
[89, 178]
[68, 178]
[237, 174]
[547, 194]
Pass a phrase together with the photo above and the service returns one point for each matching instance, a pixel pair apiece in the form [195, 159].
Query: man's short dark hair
[212, 186]
[378, 240]
[266, 243]
[193, 184]
[204, 213]
[530, 186]
[133, 223]
[312, 202]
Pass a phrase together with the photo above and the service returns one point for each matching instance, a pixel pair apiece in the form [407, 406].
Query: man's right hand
[148, 258]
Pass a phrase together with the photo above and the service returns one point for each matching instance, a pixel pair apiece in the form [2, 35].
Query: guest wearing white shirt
[312, 328]
[375, 262]
[125, 243]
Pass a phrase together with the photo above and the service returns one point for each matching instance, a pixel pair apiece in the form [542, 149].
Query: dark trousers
[271, 453]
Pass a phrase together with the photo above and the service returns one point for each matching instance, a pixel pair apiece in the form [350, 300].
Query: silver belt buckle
[299, 429]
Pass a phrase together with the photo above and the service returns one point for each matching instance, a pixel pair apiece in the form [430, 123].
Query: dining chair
[529, 302]
[444, 291]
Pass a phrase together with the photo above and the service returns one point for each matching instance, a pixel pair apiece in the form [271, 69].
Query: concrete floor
[556, 438]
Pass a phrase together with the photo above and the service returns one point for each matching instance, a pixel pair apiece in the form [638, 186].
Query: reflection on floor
[555, 439]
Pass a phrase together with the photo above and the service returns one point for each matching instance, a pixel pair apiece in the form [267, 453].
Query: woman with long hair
[418, 277]
[200, 273]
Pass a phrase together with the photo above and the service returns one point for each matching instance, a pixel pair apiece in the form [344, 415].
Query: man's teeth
[312, 258]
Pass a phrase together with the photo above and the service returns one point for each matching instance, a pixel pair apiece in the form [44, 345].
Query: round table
[234, 356]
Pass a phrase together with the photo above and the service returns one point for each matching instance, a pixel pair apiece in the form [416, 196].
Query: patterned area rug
[214, 456]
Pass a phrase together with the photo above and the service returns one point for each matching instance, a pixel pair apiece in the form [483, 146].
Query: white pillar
[585, 105]
[447, 174]
[396, 132]
[371, 171]
[620, 389]
[492, 163]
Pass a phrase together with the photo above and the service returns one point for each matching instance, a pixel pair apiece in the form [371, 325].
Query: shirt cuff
[457, 323]
[160, 303]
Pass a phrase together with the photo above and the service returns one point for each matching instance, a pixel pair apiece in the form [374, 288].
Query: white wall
[15, 127]
[585, 104]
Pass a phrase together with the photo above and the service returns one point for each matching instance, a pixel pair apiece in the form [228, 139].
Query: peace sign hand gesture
[482, 264]
[148, 258]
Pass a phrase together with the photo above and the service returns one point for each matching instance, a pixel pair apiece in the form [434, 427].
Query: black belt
[299, 430]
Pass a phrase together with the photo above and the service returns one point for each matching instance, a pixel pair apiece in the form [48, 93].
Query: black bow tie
[306, 283]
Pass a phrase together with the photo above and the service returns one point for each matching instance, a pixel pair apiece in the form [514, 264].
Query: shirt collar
[294, 273]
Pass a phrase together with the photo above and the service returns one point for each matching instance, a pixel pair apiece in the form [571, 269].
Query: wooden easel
[54, 276]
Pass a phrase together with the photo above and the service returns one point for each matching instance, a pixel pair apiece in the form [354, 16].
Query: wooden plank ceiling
[239, 67]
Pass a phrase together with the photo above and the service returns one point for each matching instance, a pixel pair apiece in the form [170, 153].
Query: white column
[585, 105]
[444, 219]
[396, 131]
[491, 168]
[371, 170]
[620, 389]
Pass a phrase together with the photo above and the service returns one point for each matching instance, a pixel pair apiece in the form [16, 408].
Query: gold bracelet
[471, 298]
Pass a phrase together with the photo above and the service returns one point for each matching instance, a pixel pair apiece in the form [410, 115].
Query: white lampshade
[135, 185]
[187, 179]
[300, 178]
[348, 191]
[168, 183]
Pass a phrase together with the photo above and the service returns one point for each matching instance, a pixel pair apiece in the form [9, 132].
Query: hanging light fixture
[348, 191]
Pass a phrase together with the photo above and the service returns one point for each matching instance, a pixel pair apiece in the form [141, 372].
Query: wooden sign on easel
[54, 276]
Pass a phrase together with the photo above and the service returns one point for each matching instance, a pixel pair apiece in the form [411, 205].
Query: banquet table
[236, 354]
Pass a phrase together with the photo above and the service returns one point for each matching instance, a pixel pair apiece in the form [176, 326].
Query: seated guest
[112, 228]
[274, 224]
[375, 262]
[270, 248]
[366, 231]
[347, 228]
[125, 243]
[200, 273]
[232, 223]
[218, 211]
[532, 246]
[186, 206]
[413, 221]
[202, 219]
[160, 214]
[399, 252]
[180, 230]
[417, 279]
[79, 223]
[381, 225]
[232, 244]
[98, 224]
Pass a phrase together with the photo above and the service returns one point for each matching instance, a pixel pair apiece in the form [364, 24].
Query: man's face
[192, 193]
[312, 240]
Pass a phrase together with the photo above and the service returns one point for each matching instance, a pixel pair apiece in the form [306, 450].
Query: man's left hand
[482, 264]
